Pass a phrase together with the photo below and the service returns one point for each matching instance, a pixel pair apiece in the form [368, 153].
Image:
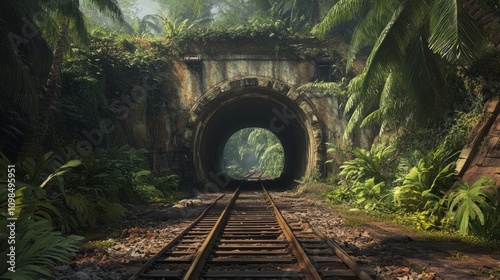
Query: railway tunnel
[253, 102]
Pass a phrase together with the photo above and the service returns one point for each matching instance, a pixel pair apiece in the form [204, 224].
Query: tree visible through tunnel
[253, 150]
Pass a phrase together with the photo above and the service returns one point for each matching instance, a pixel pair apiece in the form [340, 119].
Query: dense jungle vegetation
[417, 71]
[253, 150]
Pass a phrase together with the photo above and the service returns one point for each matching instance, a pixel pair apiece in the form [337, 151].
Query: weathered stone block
[251, 82]
[460, 165]
[492, 105]
[492, 162]
[293, 95]
[464, 154]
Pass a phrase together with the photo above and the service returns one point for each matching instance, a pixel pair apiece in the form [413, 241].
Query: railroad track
[244, 236]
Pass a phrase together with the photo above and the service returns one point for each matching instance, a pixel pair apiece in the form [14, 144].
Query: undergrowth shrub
[38, 245]
[475, 208]
[96, 190]
[424, 186]
[92, 190]
[366, 178]
[156, 185]
[377, 163]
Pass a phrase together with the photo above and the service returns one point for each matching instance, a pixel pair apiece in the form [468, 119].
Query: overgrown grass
[355, 217]
[108, 243]
[491, 272]
[319, 190]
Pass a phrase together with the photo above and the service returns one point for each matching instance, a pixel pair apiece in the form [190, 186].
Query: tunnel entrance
[253, 153]
[219, 114]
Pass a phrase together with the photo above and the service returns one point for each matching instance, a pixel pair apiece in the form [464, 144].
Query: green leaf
[468, 203]
[455, 35]
[342, 11]
[61, 170]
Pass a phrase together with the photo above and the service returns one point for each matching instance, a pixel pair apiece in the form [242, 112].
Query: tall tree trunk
[488, 19]
[36, 130]
[315, 11]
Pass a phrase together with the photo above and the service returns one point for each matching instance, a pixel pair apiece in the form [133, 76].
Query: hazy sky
[147, 7]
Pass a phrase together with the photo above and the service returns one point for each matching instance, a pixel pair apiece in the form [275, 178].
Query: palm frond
[455, 35]
[25, 61]
[386, 56]
[388, 51]
[151, 22]
[342, 11]
[69, 11]
[425, 84]
[197, 6]
[365, 34]
[380, 114]
[355, 92]
[38, 248]
[110, 8]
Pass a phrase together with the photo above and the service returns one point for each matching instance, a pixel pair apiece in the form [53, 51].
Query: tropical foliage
[66, 14]
[475, 208]
[60, 78]
[375, 163]
[253, 150]
[422, 190]
[53, 199]
[366, 177]
[39, 242]
[156, 185]
[423, 187]
[38, 247]
[402, 75]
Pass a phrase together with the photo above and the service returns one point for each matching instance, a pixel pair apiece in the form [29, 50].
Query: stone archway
[254, 102]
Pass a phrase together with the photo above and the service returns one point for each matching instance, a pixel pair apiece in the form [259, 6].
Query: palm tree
[24, 61]
[293, 13]
[268, 151]
[148, 25]
[70, 16]
[403, 81]
[24, 65]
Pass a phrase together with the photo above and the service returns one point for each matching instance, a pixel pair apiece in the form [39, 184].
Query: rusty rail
[246, 236]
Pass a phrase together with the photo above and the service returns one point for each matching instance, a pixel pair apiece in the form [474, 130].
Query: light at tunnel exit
[254, 151]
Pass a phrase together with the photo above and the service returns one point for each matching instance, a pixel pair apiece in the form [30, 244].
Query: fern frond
[38, 247]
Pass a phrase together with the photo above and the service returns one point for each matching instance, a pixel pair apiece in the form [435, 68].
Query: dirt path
[448, 260]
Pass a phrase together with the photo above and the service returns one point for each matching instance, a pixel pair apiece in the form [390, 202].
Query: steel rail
[304, 262]
[353, 266]
[196, 267]
[173, 241]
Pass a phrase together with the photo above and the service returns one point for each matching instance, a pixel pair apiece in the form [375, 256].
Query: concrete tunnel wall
[253, 102]
[212, 97]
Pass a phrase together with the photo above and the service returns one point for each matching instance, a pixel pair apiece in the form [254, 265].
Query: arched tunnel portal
[254, 102]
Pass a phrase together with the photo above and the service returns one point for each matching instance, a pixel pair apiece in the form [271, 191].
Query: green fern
[425, 184]
[376, 163]
[111, 212]
[339, 194]
[369, 195]
[38, 247]
[84, 209]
